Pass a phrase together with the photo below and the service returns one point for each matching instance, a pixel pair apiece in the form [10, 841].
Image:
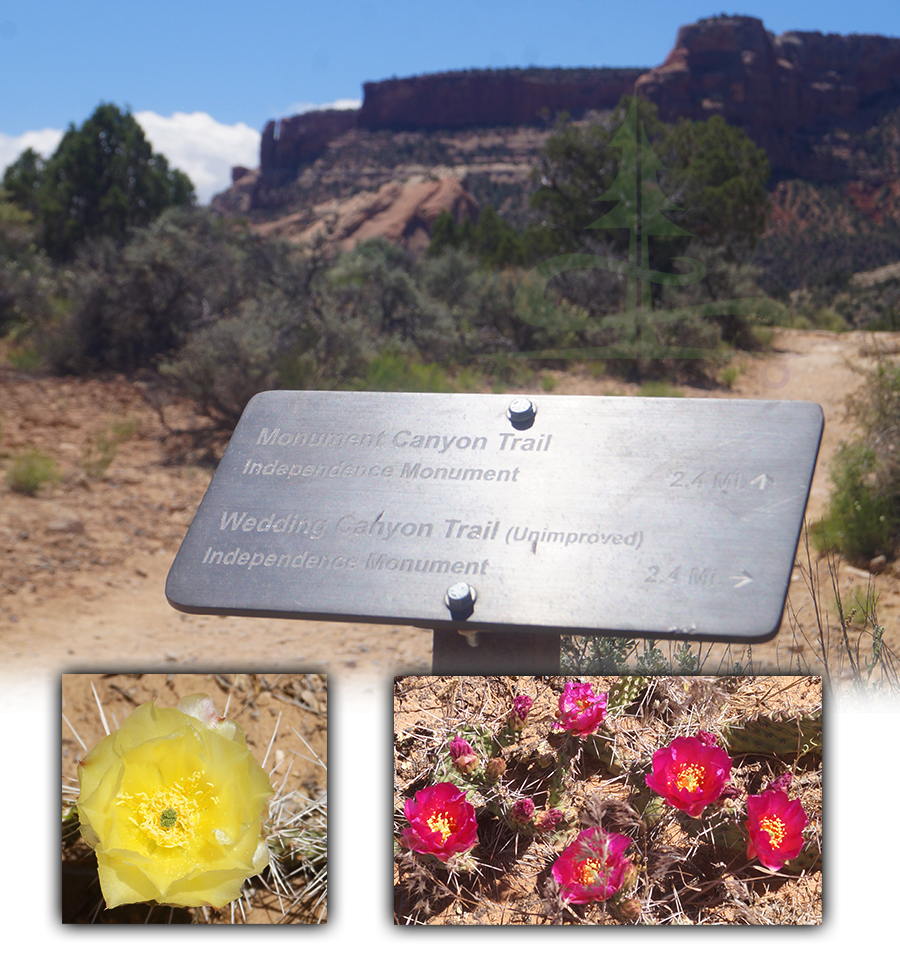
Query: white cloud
[296, 108]
[43, 141]
[205, 150]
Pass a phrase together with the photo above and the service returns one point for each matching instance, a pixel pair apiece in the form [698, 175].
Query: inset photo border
[194, 798]
[653, 800]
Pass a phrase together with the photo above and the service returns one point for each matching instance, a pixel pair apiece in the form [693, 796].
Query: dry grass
[834, 632]
[689, 871]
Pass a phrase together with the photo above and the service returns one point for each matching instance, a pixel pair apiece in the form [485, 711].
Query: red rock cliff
[509, 97]
[289, 143]
[782, 90]
[459, 100]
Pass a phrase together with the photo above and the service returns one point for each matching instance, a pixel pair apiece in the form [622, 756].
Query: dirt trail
[83, 564]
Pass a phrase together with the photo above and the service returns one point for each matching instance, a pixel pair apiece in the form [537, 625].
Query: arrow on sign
[744, 579]
[762, 481]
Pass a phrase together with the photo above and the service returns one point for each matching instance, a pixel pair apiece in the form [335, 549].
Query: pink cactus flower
[592, 866]
[775, 825]
[581, 711]
[689, 774]
[442, 822]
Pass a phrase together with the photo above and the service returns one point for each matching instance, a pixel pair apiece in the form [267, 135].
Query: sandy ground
[83, 564]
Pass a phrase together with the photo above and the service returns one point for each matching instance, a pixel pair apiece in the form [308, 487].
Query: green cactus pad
[625, 691]
[784, 735]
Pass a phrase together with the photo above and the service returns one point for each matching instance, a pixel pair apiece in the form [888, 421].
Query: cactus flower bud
[494, 770]
[781, 783]
[522, 812]
[549, 820]
[630, 909]
[462, 754]
[521, 707]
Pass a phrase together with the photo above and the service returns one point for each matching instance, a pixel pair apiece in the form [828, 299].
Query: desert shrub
[28, 285]
[100, 451]
[829, 320]
[448, 276]
[30, 471]
[137, 303]
[223, 364]
[492, 240]
[379, 284]
[395, 371]
[859, 522]
[862, 519]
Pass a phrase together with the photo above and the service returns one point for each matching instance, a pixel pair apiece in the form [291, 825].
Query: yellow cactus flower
[173, 804]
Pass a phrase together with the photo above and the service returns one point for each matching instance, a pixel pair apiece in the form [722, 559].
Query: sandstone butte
[784, 91]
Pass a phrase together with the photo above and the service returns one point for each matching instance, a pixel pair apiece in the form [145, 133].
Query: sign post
[513, 518]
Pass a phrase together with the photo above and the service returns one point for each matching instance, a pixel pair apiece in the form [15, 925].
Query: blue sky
[203, 78]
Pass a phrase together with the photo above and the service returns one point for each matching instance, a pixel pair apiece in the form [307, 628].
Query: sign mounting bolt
[521, 413]
[460, 597]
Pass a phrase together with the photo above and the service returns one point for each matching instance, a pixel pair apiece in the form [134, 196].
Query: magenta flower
[689, 774]
[775, 825]
[443, 822]
[592, 866]
[581, 711]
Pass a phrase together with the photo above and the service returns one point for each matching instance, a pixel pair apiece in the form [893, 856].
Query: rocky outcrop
[288, 143]
[784, 91]
[456, 100]
[807, 98]
[780, 89]
[400, 212]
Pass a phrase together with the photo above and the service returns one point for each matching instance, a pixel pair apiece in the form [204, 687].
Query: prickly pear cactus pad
[683, 848]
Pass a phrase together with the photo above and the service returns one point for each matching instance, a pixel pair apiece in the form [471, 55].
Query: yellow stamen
[440, 824]
[775, 828]
[590, 870]
[689, 777]
[168, 816]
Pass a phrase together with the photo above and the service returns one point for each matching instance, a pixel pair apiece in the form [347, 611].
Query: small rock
[877, 564]
[65, 524]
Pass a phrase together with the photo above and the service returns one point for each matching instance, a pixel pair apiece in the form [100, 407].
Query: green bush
[829, 320]
[861, 521]
[393, 371]
[31, 470]
[101, 449]
[225, 363]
